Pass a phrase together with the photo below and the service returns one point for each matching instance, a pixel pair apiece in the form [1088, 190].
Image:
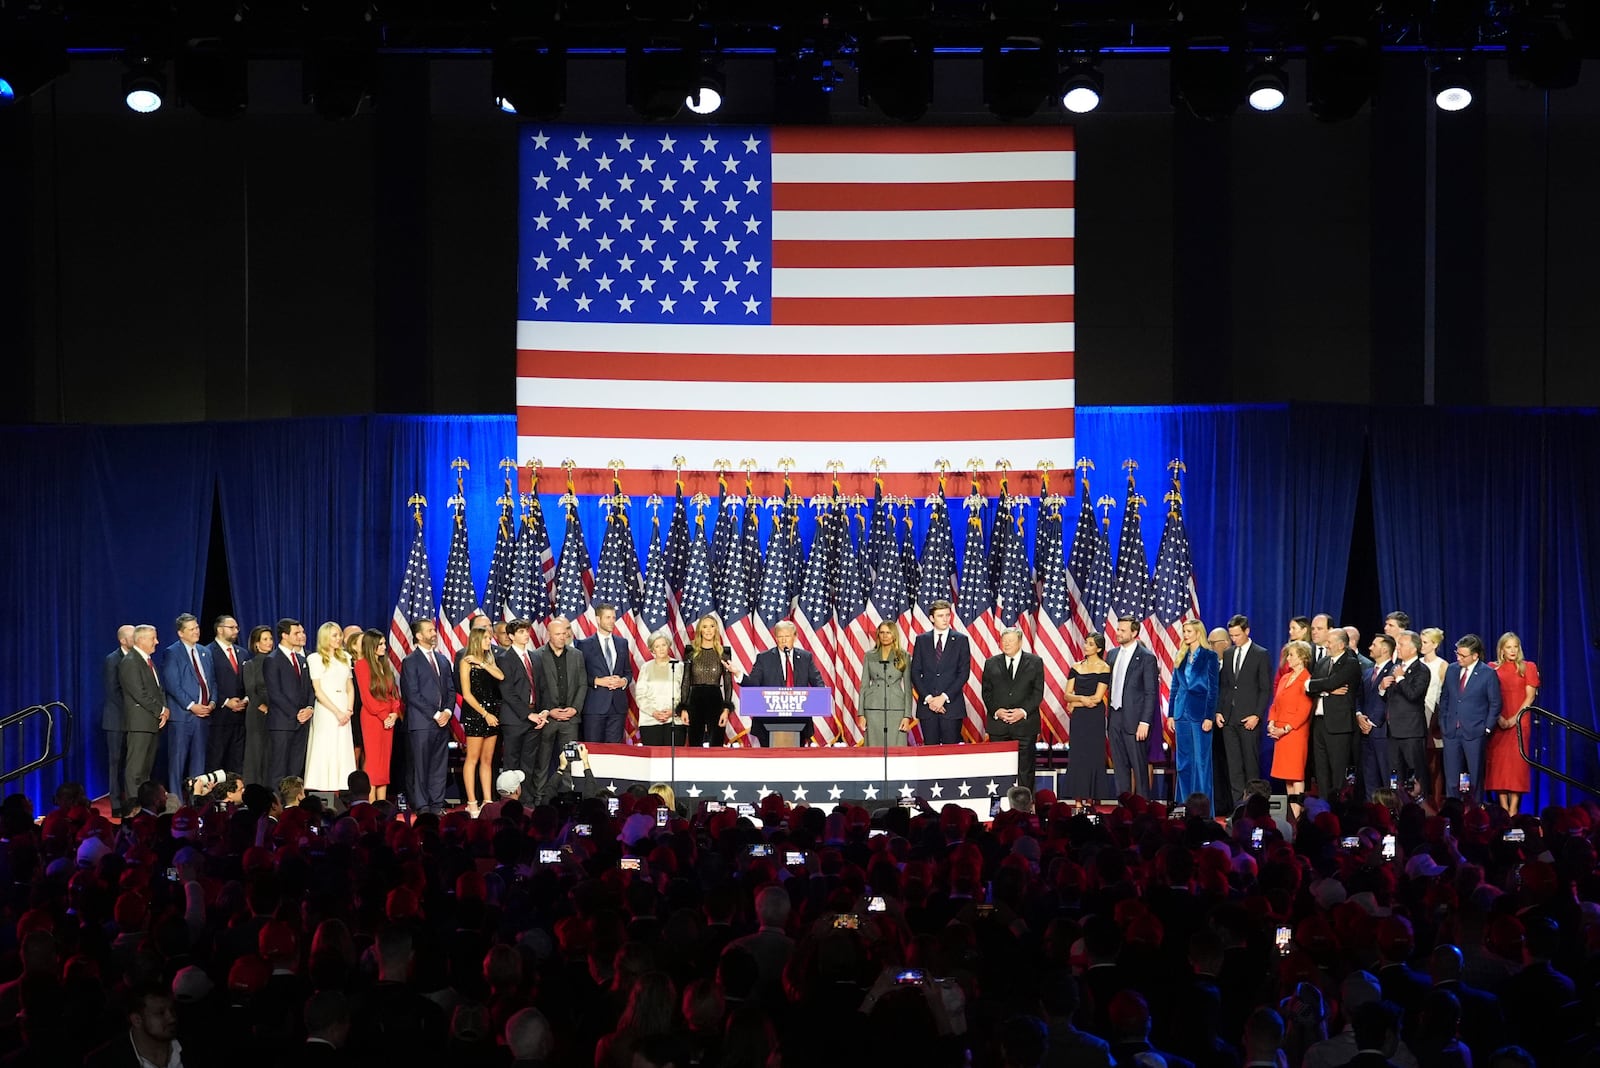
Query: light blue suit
[1194, 704]
[187, 733]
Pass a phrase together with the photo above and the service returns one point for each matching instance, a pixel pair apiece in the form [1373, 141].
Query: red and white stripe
[399, 639]
[983, 641]
[822, 647]
[923, 277]
[1050, 642]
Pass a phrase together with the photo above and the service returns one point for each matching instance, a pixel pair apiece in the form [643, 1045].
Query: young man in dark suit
[941, 660]
[111, 721]
[289, 703]
[1013, 687]
[226, 747]
[519, 701]
[1244, 693]
[1134, 698]
[1372, 720]
[786, 664]
[605, 659]
[428, 687]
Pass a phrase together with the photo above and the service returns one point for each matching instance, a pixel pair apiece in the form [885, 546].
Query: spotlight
[144, 86]
[1341, 72]
[1080, 93]
[1268, 87]
[529, 78]
[660, 79]
[1018, 73]
[1452, 90]
[31, 57]
[7, 94]
[896, 72]
[706, 95]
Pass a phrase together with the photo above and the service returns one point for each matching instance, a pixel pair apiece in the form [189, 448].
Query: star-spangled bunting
[528, 597]
[813, 614]
[1130, 591]
[975, 616]
[415, 601]
[1052, 624]
[1173, 600]
[575, 577]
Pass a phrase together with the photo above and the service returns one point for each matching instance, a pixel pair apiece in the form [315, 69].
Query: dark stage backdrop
[115, 524]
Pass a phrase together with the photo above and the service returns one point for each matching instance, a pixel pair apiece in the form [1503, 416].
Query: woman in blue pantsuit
[1194, 710]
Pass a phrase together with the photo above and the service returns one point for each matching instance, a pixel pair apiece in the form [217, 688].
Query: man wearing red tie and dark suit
[289, 703]
[519, 703]
[784, 665]
[226, 751]
[1469, 704]
[191, 688]
[144, 710]
[940, 663]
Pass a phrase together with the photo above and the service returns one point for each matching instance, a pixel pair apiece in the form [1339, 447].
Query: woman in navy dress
[1086, 742]
[1194, 710]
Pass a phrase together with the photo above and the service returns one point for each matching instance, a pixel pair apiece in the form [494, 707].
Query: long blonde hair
[897, 652]
[716, 625]
[330, 644]
[1522, 654]
[1185, 645]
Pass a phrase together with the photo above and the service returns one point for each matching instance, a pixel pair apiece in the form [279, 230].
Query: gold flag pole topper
[459, 501]
[417, 502]
[1106, 503]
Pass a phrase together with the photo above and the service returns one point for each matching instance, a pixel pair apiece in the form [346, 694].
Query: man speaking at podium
[783, 666]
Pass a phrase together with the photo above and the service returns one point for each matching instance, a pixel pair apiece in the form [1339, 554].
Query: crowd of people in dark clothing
[600, 931]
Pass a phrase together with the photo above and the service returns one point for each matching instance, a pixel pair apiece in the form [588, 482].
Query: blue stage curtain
[1485, 524]
[112, 527]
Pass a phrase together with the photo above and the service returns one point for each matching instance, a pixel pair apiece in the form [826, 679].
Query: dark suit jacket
[426, 692]
[946, 674]
[255, 682]
[287, 692]
[1404, 702]
[768, 669]
[1374, 702]
[111, 707]
[1141, 694]
[229, 684]
[1025, 691]
[571, 661]
[115, 1053]
[1471, 713]
[1247, 692]
[518, 694]
[142, 697]
[604, 702]
[178, 677]
[1338, 710]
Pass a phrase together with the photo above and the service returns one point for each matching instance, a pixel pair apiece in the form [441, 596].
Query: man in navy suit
[1372, 719]
[112, 725]
[941, 660]
[1135, 695]
[1405, 692]
[605, 658]
[289, 703]
[428, 686]
[783, 665]
[227, 721]
[1469, 704]
[191, 688]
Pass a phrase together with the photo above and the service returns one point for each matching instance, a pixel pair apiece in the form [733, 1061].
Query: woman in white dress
[656, 692]
[330, 752]
[1431, 639]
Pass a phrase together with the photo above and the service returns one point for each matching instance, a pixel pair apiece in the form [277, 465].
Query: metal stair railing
[57, 737]
[1545, 715]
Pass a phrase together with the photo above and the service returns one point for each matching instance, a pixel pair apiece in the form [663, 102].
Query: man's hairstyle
[149, 793]
[1023, 1040]
[1132, 623]
[1021, 799]
[286, 626]
[528, 1035]
[325, 1010]
[1472, 644]
[417, 625]
[184, 619]
[140, 995]
[1402, 619]
[1012, 630]
[1385, 641]
[1374, 1023]
[518, 625]
[782, 624]
[1263, 1031]
[935, 606]
[605, 606]
[1329, 623]
[1337, 635]
[1242, 622]
[358, 783]
[1416, 639]
[220, 620]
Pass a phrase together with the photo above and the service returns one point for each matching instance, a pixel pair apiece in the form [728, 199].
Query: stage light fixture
[1452, 89]
[896, 74]
[1080, 93]
[705, 96]
[212, 79]
[7, 94]
[1341, 73]
[529, 78]
[144, 85]
[1018, 74]
[1268, 87]
[660, 78]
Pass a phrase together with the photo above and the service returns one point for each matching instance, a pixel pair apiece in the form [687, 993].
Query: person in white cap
[507, 787]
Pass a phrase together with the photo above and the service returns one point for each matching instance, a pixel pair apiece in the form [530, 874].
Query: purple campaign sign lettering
[801, 702]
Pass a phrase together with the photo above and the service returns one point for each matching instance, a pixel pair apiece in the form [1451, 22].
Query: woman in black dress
[707, 686]
[480, 716]
[1086, 757]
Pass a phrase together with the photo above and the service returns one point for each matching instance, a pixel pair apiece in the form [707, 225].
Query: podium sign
[786, 702]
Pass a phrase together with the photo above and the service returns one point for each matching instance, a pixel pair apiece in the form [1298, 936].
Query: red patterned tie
[200, 676]
[788, 669]
[233, 660]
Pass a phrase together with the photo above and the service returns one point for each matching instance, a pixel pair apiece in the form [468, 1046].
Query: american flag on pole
[415, 601]
[498, 589]
[908, 557]
[975, 617]
[1089, 578]
[460, 602]
[937, 581]
[738, 626]
[853, 631]
[1130, 589]
[529, 597]
[575, 577]
[813, 612]
[675, 563]
[890, 594]
[653, 611]
[617, 583]
[772, 597]
[1052, 620]
[1173, 600]
[699, 602]
[923, 277]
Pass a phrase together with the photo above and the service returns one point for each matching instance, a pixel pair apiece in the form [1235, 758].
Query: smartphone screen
[1516, 834]
[1282, 940]
[1465, 785]
[1351, 842]
[582, 830]
[1388, 847]
[910, 977]
[877, 904]
[876, 832]
[613, 805]
[761, 849]
[795, 859]
[549, 856]
[1256, 837]
[662, 816]
[630, 864]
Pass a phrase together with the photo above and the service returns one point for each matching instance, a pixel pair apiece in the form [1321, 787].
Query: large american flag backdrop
[815, 294]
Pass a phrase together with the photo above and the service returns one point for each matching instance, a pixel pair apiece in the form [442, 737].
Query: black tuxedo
[1024, 690]
[519, 699]
[288, 691]
[142, 703]
[113, 731]
[1408, 723]
[225, 746]
[1242, 693]
[1332, 730]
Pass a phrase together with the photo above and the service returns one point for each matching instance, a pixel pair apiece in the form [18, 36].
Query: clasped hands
[1010, 715]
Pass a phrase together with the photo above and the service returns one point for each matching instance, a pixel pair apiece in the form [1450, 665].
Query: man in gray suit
[111, 721]
[144, 708]
[563, 683]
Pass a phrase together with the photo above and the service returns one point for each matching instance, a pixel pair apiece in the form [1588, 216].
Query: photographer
[219, 790]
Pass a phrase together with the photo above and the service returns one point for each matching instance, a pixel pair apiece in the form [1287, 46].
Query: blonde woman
[1432, 639]
[1194, 709]
[479, 685]
[1289, 723]
[330, 751]
[352, 649]
[656, 692]
[885, 696]
[707, 690]
[1505, 772]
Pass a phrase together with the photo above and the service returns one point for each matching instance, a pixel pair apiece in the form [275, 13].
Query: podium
[786, 710]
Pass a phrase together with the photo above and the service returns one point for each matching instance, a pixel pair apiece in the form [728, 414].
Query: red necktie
[938, 646]
[788, 669]
[295, 660]
[200, 676]
[527, 665]
[1464, 681]
[151, 661]
[233, 660]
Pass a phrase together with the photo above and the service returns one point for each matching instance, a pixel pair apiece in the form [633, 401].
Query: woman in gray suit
[256, 744]
[885, 688]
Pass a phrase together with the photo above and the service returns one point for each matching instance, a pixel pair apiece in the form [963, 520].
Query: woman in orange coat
[1289, 720]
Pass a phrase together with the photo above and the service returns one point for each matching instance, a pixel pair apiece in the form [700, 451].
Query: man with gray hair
[1334, 685]
[144, 708]
[111, 722]
[1013, 687]
[771, 945]
[1358, 989]
[529, 1038]
[783, 665]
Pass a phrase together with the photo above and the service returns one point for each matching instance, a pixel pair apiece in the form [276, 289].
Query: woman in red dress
[380, 708]
[1289, 722]
[1506, 773]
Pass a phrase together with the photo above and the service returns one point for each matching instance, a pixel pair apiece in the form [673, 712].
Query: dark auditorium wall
[169, 268]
